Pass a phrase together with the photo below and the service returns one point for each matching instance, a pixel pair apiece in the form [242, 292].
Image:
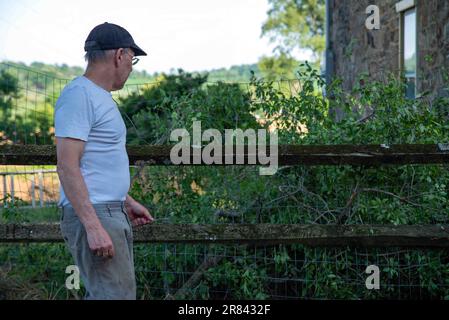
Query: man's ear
[118, 55]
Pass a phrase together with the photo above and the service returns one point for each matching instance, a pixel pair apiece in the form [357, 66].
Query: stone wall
[433, 45]
[357, 50]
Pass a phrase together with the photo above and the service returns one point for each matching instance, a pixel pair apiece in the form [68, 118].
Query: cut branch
[209, 262]
[402, 199]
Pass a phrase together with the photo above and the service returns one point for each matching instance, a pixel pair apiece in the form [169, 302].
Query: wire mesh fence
[409, 194]
[238, 194]
[188, 271]
[184, 271]
[28, 98]
[26, 106]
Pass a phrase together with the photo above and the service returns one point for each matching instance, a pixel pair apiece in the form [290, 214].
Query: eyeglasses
[134, 60]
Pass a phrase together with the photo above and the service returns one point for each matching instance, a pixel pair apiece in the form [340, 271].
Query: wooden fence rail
[287, 154]
[414, 236]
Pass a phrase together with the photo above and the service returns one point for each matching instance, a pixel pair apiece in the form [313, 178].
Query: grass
[34, 271]
[14, 287]
[30, 271]
[15, 168]
[36, 215]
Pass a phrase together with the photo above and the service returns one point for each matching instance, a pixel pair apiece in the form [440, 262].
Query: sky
[194, 35]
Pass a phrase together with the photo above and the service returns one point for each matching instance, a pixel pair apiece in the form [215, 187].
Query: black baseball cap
[108, 36]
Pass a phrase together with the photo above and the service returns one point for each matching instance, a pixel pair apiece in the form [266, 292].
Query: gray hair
[94, 56]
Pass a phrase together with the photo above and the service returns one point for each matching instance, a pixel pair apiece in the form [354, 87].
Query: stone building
[413, 39]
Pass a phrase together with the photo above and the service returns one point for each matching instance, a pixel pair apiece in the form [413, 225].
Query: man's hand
[138, 214]
[100, 242]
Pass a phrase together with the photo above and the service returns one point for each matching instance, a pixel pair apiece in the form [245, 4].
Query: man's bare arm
[129, 200]
[69, 152]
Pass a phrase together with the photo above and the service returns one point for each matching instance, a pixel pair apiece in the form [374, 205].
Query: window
[408, 54]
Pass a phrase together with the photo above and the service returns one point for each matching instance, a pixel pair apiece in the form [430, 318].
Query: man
[93, 167]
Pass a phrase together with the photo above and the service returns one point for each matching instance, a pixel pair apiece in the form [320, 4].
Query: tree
[296, 24]
[178, 100]
[158, 98]
[282, 67]
[9, 91]
[16, 126]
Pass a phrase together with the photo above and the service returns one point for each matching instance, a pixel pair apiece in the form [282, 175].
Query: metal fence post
[12, 189]
[41, 191]
[33, 196]
[5, 187]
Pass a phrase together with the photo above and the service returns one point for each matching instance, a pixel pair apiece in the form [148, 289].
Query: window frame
[402, 8]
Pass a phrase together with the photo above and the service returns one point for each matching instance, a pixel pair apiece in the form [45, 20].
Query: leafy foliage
[16, 125]
[296, 24]
[374, 113]
[178, 100]
[278, 67]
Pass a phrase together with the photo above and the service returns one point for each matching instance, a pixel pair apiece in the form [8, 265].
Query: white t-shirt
[87, 112]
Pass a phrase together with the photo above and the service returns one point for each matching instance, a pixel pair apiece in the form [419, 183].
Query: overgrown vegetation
[374, 113]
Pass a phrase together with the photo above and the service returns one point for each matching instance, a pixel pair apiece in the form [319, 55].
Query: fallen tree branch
[209, 262]
[402, 199]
